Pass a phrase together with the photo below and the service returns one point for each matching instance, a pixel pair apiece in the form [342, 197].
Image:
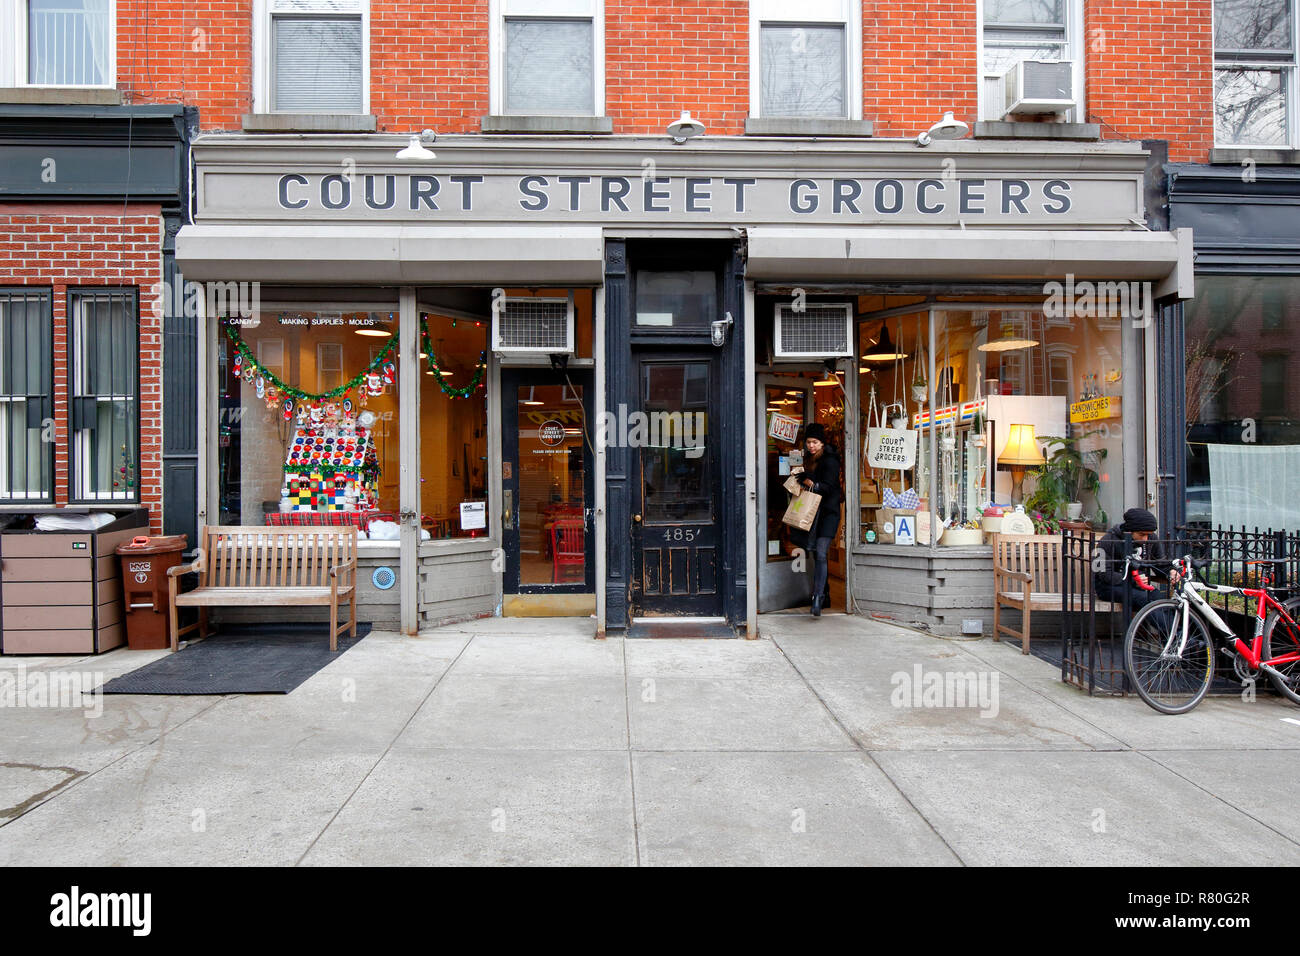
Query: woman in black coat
[821, 475]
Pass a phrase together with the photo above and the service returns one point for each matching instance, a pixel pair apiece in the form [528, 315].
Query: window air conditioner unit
[523, 326]
[821, 330]
[1032, 86]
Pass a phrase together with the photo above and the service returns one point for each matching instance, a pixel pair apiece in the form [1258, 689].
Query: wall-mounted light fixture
[946, 128]
[719, 329]
[415, 149]
[685, 128]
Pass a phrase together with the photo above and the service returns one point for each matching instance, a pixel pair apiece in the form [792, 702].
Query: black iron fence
[1092, 627]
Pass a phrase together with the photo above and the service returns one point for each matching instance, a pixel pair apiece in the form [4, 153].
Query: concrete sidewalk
[512, 741]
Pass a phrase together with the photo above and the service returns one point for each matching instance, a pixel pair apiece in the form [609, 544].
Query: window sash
[992, 8]
[768, 68]
[67, 43]
[544, 95]
[313, 74]
[1275, 133]
[105, 395]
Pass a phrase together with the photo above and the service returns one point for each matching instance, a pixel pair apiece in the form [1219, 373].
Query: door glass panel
[676, 458]
[784, 415]
[676, 299]
[552, 461]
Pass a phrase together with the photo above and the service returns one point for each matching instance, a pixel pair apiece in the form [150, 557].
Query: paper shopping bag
[802, 511]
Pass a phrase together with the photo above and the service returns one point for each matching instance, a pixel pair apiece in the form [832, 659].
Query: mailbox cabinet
[61, 591]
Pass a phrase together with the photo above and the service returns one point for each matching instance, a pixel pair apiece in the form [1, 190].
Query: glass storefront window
[996, 365]
[307, 423]
[1243, 403]
[453, 427]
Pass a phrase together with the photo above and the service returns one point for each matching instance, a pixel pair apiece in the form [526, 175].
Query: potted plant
[920, 390]
[1064, 478]
[977, 428]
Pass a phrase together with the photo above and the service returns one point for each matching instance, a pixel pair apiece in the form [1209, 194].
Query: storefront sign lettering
[551, 196]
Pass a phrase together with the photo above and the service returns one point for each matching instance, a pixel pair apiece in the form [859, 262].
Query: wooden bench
[1027, 575]
[270, 567]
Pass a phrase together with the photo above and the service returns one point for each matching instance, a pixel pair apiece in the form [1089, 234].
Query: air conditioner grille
[815, 331]
[526, 324]
[1046, 81]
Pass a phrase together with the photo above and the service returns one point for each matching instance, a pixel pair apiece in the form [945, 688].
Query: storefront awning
[391, 254]
[845, 255]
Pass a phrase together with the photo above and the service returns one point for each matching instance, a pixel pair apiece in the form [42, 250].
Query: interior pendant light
[884, 350]
[1008, 341]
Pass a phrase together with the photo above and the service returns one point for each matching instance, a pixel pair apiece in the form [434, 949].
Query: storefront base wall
[378, 608]
[917, 586]
[936, 589]
[458, 586]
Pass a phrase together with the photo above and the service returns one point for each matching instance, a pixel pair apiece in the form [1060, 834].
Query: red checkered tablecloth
[294, 518]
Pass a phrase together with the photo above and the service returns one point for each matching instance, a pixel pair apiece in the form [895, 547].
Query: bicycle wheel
[1281, 638]
[1170, 684]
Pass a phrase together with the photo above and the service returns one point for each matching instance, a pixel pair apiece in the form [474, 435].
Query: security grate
[533, 325]
[26, 395]
[821, 331]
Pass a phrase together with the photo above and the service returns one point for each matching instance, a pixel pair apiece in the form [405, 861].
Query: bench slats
[270, 566]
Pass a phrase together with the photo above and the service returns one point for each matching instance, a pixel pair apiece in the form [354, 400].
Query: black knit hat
[815, 431]
[1138, 519]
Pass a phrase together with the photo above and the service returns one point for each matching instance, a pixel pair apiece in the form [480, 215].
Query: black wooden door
[676, 521]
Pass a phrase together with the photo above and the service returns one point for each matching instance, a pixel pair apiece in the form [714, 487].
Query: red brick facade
[65, 246]
[1148, 64]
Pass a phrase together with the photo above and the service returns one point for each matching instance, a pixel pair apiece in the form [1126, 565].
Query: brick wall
[918, 60]
[1149, 64]
[1150, 72]
[662, 59]
[195, 53]
[65, 246]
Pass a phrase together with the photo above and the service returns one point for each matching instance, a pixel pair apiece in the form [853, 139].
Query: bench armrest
[195, 565]
[1001, 572]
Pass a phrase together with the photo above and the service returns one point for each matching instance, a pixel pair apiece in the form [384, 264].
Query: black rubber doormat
[241, 659]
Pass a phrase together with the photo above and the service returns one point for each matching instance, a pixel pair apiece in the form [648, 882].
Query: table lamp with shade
[1021, 452]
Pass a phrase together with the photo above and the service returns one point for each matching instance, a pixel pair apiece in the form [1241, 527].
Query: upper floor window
[312, 56]
[26, 394]
[548, 58]
[1046, 31]
[104, 385]
[806, 59]
[1255, 73]
[57, 43]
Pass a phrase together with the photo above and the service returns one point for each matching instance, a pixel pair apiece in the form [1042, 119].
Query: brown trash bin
[145, 562]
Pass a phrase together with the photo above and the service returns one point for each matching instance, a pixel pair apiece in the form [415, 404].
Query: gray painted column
[408, 404]
[1170, 415]
[1132, 434]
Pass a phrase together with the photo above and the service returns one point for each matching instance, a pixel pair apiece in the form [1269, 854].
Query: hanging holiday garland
[277, 392]
[249, 368]
[426, 346]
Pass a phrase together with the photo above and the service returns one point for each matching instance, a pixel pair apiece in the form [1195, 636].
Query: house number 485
[682, 534]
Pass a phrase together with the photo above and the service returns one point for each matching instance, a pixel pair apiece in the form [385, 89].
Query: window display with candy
[308, 426]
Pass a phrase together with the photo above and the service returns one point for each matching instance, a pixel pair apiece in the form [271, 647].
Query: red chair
[567, 541]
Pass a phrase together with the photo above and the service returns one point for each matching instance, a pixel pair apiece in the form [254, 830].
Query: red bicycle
[1169, 648]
